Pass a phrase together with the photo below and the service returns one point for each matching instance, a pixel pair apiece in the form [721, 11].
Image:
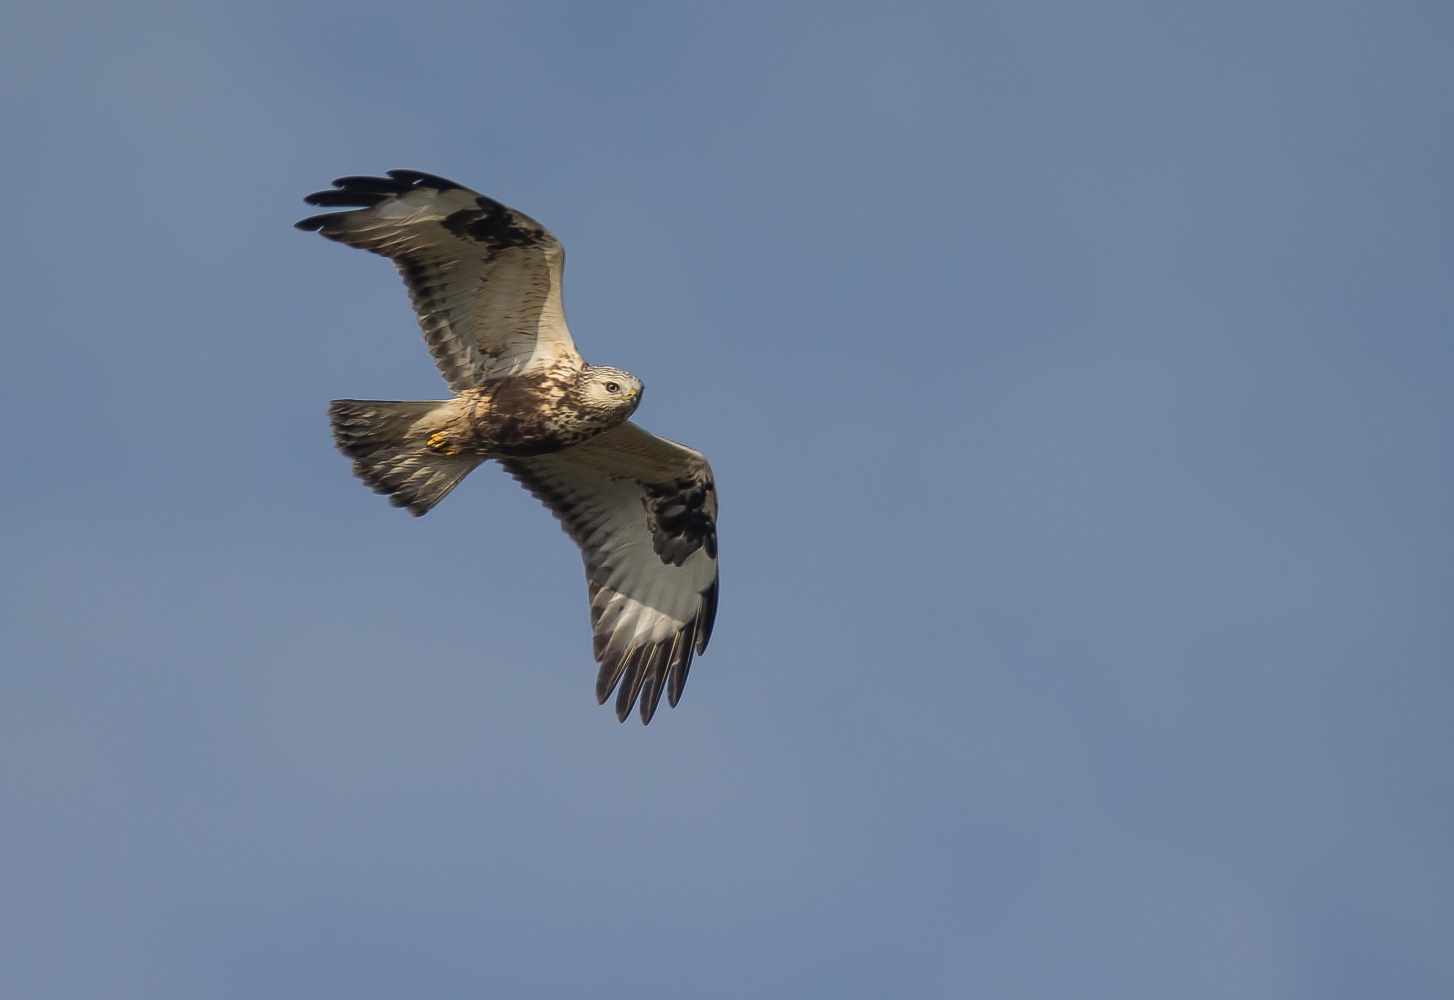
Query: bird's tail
[389, 445]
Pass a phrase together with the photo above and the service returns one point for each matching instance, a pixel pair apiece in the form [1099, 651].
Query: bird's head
[609, 392]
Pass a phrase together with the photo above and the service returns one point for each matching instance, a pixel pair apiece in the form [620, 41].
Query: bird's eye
[613, 387]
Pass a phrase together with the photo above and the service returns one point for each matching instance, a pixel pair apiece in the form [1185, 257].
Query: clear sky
[1079, 383]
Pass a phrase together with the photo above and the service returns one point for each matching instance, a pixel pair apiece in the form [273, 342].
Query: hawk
[485, 282]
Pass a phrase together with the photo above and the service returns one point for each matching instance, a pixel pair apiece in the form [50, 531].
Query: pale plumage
[485, 282]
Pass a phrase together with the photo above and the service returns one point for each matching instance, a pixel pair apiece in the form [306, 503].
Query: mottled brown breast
[524, 415]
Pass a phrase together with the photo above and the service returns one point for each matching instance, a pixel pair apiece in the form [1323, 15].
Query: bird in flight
[485, 282]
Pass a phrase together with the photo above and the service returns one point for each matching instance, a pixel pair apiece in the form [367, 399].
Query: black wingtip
[676, 681]
[418, 178]
[651, 692]
[608, 675]
[707, 616]
[639, 664]
[648, 682]
[369, 184]
[362, 191]
[350, 197]
[626, 691]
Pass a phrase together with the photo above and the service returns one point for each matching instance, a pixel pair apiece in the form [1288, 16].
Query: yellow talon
[439, 443]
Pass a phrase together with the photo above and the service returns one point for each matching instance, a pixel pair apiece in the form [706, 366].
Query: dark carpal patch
[680, 522]
[493, 224]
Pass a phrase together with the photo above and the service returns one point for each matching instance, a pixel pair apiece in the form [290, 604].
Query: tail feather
[388, 444]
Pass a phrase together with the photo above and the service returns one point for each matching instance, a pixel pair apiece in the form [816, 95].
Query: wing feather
[644, 512]
[484, 279]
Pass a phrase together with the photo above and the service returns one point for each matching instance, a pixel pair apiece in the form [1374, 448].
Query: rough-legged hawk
[485, 281]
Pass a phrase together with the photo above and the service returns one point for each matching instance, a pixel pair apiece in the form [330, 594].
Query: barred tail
[388, 442]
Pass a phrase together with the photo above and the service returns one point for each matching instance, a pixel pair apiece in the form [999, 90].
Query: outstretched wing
[484, 278]
[644, 512]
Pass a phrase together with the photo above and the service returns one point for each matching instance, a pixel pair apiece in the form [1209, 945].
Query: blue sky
[1078, 384]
